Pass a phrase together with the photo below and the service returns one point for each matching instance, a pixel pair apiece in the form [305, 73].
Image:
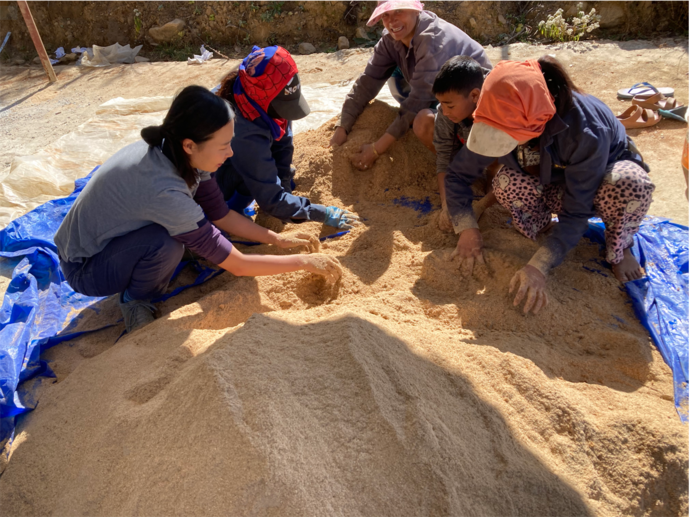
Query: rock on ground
[68, 58]
[306, 48]
[361, 33]
[167, 32]
[612, 15]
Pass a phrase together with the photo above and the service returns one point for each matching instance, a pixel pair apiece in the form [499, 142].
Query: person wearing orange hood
[562, 152]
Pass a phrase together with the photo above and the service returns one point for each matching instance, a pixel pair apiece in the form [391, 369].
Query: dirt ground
[404, 389]
[233, 26]
[599, 68]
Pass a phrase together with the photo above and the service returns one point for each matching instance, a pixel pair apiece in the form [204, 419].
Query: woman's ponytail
[153, 135]
[560, 85]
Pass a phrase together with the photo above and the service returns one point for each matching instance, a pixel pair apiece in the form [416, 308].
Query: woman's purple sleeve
[206, 241]
[210, 198]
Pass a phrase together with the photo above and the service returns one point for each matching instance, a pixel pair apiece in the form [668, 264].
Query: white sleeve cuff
[462, 222]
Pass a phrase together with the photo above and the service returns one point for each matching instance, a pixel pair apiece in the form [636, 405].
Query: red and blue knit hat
[268, 77]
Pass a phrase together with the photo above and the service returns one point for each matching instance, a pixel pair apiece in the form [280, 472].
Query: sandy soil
[402, 390]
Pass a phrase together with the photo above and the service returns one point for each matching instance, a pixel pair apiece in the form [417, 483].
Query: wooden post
[36, 37]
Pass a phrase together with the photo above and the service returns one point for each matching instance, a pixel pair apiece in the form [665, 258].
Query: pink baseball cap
[391, 5]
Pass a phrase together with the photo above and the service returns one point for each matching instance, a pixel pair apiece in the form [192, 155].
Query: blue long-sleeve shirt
[263, 165]
[576, 149]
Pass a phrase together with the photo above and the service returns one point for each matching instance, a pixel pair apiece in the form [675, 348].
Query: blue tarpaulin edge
[660, 299]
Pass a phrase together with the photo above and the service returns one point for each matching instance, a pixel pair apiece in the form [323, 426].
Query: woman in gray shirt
[127, 230]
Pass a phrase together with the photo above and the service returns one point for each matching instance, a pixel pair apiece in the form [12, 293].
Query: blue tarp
[660, 299]
[39, 304]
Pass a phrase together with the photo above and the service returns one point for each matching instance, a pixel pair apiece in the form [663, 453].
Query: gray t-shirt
[435, 41]
[135, 187]
[449, 137]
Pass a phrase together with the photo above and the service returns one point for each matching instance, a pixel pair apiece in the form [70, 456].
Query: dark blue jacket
[261, 168]
[576, 150]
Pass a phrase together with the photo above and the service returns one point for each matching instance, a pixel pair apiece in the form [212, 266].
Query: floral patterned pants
[621, 202]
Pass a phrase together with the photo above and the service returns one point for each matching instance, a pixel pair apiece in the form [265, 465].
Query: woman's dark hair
[460, 74]
[560, 85]
[227, 83]
[195, 113]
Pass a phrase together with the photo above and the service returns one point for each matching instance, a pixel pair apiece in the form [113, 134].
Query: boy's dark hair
[558, 82]
[195, 113]
[460, 74]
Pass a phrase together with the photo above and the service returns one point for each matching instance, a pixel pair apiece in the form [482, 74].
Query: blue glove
[340, 218]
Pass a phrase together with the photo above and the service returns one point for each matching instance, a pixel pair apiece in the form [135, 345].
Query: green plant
[519, 28]
[160, 7]
[557, 28]
[366, 43]
[273, 11]
[212, 17]
[138, 23]
[175, 53]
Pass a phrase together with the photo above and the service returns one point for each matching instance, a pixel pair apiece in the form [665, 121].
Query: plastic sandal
[635, 117]
[655, 102]
[630, 115]
[678, 113]
[643, 90]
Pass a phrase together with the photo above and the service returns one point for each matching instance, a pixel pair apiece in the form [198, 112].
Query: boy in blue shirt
[457, 87]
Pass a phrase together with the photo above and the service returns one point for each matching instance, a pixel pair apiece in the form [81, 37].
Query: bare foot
[628, 269]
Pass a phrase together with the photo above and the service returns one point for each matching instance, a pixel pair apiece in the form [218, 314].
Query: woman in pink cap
[563, 152]
[414, 46]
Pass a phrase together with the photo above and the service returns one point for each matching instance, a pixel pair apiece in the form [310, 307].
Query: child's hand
[310, 242]
[468, 250]
[444, 222]
[531, 282]
[365, 158]
[339, 137]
